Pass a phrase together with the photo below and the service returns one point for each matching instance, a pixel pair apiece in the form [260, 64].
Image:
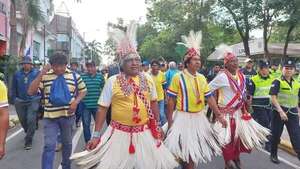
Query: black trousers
[293, 128]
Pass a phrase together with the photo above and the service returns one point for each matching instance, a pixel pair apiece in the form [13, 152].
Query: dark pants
[86, 122]
[27, 114]
[264, 117]
[78, 112]
[293, 128]
[52, 127]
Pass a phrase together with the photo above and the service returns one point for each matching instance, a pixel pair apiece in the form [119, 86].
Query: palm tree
[93, 51]
[31, 16]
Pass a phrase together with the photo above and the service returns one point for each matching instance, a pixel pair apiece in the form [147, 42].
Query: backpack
[60, 94]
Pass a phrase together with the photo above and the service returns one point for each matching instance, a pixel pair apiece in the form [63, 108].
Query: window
[36, 49]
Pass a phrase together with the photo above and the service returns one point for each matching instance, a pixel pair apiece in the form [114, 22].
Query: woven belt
[125, 128]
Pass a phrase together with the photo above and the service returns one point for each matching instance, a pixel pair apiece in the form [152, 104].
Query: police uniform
[259, 88]
[288, 94]
[276, 73]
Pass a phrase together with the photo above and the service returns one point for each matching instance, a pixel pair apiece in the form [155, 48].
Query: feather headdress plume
[190, 45]
[125, 41]
[225, 52]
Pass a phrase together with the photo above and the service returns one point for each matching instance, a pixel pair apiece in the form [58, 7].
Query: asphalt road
[18, 158]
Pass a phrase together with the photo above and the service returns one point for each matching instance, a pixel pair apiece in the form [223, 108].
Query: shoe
[28, 146]
[274, 159]
[58, 147]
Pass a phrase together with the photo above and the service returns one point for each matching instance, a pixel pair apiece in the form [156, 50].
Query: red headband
[229, 57]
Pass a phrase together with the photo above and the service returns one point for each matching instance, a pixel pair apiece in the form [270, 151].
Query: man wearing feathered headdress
[133, 138]
[242, 133]
[189, 135]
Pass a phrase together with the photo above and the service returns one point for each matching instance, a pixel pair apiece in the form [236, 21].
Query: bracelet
[96, 134]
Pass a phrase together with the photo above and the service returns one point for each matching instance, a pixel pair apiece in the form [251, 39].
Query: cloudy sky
[91, 16]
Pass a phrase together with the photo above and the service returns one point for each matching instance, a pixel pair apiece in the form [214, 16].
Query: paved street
[18, 158]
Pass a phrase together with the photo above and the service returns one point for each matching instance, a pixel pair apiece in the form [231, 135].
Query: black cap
[263, 64]
[289, 62]
[90, 62]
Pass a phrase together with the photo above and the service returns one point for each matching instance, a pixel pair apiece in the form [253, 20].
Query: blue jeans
[86, 122]
[162, 115]
[52, 127]
[27, 113]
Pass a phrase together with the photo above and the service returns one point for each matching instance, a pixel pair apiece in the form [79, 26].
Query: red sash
[238, 89]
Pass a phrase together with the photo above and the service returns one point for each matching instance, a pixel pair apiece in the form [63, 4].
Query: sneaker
[58, 147]
[28, 146]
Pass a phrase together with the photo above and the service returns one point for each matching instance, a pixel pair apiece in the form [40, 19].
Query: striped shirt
[94, 85]
[45, 86]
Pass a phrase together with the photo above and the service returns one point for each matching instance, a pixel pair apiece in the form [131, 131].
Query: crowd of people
[159, 115]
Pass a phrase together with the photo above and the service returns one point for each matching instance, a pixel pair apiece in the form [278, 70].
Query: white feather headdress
[193, 42]
[222, 50]
[125, 41]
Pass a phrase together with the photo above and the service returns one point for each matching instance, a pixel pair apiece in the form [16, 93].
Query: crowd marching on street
[159, 115]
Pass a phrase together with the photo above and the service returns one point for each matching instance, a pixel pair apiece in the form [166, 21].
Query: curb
[287, 146]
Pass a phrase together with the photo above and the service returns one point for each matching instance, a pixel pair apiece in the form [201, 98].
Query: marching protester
[159, 80]
[26, 106]
[242, 133]
[94, 83]
[285, 95]
[170, 73]
[133, 138]
[63, 90]
[190, 136]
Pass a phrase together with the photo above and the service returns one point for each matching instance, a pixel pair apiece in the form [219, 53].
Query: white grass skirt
[191, 135]
[251, 133]
[113, 152]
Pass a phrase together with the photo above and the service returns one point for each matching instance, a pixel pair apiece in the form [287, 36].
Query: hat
[263, 64]
[126, 43]
[26, 60]
[248, 60]
[289, 62]
[225, 52]
[90, 62]
[190, 46]
[145, 63]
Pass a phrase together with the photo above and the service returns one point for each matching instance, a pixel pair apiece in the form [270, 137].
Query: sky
[91, 16]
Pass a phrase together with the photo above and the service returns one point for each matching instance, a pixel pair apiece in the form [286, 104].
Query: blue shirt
[21, 82]
[169, 75]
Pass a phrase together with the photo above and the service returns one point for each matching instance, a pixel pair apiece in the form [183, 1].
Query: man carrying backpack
[62, 90]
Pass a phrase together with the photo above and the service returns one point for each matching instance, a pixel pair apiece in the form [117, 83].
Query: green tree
[93, 51]
[243, 14]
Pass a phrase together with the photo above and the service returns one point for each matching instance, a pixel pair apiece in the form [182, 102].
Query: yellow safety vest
[262, 86]
[288, 96]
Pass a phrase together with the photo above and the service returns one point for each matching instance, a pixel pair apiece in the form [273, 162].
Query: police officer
[285, 98]
[258, 90]
[275, 71]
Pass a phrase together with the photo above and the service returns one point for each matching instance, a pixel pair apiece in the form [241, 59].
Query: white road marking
[14, 134]
[282, 159]
[75, 141]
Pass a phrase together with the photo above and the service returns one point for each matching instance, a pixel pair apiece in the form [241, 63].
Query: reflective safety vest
[262, 86]
[276, 73]
[287, 96]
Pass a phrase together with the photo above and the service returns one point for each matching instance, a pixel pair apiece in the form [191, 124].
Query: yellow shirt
[45, 85]
[159, 81]
[183, 87]
[122, 106]
[3, 95]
